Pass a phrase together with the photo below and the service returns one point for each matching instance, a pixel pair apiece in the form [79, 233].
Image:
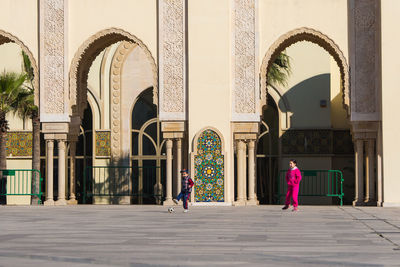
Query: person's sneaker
[185, 210]
[285, 207]
[175, 201]
[295, 209]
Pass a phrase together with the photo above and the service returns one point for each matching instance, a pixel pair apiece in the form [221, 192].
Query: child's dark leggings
[185, 198]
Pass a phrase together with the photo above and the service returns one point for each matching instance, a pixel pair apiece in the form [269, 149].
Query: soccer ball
[171, 209]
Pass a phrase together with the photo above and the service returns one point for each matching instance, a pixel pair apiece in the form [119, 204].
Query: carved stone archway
[6, 37]
[316, 37]
[84, 57]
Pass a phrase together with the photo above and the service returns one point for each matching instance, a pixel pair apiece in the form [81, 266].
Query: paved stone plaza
[206, 236]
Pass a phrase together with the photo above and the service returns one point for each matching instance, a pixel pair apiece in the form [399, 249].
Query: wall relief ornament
[52, 40]
[365, 43]
[120, 55]
[245, 79]
[310, 35]
[172, 58]
[84, 57]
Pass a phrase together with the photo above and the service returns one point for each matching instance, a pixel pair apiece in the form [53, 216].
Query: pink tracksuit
[293, 177]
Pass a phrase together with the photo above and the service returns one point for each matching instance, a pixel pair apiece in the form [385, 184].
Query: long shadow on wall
[308, 93]
[312, 137]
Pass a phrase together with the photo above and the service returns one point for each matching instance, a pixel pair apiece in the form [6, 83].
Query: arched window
[147, 153]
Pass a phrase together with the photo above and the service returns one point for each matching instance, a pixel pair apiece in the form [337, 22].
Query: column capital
[50, 142]
[178, 142]
[251, 143]
[61, 144]
[169, 143]
[241, 144]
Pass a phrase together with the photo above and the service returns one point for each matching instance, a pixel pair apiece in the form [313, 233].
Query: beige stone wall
[138, 17]
[276, 18]
[307, 85]
[209, 97]
[20, 18]
[390, 103]
[210, 60]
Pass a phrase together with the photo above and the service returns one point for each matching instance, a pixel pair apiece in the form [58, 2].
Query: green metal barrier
[320, 183]
[122, 181]
[20, 182]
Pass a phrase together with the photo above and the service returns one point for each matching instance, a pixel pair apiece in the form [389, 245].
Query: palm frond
[280, 70]
[11, 85]
[28, 66]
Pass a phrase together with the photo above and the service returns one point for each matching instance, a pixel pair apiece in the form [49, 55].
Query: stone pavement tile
[210, 236]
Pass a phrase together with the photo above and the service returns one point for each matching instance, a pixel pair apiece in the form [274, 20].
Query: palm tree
[26, 108]
[280, 70]
[11, 85]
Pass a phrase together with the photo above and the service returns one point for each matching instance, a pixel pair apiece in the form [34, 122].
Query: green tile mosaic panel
[103, 144]
[19, 144]
[209, 168]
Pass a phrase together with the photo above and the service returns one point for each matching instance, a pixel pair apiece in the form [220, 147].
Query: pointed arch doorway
[268, 153]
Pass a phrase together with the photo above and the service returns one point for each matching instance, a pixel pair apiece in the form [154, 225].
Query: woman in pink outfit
[293, 177]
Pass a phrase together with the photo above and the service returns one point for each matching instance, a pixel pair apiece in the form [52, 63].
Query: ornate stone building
[183, 83]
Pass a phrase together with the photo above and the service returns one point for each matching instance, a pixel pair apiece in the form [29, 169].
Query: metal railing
[320, 183]
[21, 182]
[122, 181]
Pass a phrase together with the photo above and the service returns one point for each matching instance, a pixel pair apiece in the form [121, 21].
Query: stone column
[379, 168]
[61, 173]
[168, 197]
[241, 172]
[49, 172]
[359, 173]
[178, 164]
[370, 171]
[252, 198]
[72, 188]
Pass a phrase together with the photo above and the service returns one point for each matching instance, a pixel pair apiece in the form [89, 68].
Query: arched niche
[316, 37]
[208, 166]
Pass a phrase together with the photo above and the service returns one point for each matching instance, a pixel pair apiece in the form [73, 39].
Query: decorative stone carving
[52, 43]
[115, 84]
[364, 44]
[6, 37]
[245, 78]
[84, 57]
[172, 59]
[306, 34]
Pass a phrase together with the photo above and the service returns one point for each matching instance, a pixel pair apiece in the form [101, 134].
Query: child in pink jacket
[293, 177]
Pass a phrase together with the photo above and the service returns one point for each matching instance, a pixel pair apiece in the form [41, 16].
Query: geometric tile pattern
[19, 144]
[103, 143]
[323, 141]
[209, 168]
[342, 142]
